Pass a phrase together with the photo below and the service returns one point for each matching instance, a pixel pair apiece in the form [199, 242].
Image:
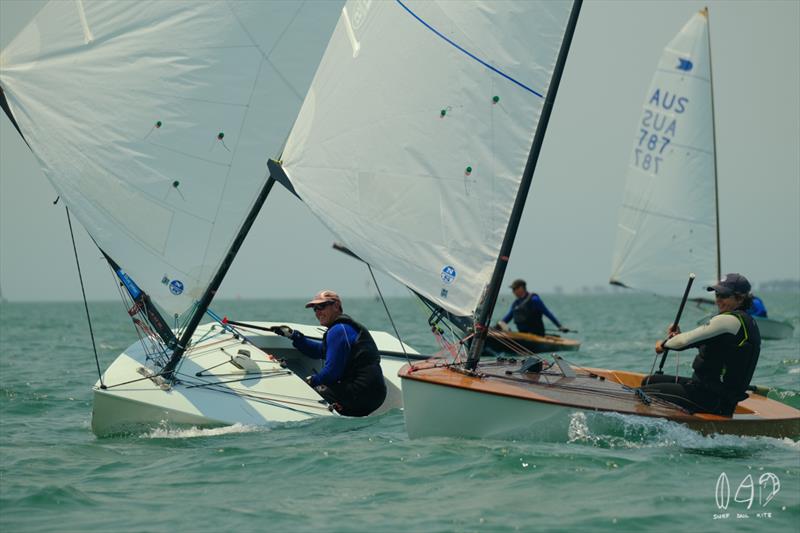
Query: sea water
[612, 473]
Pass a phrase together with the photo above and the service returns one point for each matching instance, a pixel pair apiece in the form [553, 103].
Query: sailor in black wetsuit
[527, 311]
[728, 345]
[351, 379]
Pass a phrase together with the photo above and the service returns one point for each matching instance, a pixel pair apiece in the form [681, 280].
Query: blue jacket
[758, 308]
[341, 338]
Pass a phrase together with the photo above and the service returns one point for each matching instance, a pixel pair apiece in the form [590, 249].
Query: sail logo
[175, 287]
[768, 487]
[684, 64]
[448, 275]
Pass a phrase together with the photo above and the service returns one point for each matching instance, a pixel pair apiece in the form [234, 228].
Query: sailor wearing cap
[527, 311]
[351, 379]
[728, 349]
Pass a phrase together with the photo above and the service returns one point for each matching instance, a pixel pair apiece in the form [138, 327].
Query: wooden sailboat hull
[504, 342]
[269, 389]
[498, 401]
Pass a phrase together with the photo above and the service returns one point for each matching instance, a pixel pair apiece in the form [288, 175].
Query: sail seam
[466, 52]
[662, 215]
[266, 55]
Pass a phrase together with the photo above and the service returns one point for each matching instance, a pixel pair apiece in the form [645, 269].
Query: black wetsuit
[729, 346]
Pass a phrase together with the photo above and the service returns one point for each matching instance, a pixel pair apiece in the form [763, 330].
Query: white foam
[192, 432]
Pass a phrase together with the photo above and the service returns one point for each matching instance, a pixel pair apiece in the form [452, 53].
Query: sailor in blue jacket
[351, 379]
[757, 308]
[527, 311]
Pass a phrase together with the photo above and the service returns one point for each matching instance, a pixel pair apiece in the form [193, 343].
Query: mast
[493, 289]
[714, 140]
[211, 290]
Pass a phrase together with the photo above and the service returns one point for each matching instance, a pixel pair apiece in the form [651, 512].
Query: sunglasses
[722, 296]
[320, 307]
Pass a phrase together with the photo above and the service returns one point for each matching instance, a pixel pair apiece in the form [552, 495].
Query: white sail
[668, 220]
[154, 121]
[412, 141]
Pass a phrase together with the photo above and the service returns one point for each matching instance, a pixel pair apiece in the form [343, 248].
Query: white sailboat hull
[774, 329]
[434, 410]
[213, 391]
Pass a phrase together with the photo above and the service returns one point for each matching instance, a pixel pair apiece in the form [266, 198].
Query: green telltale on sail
[220, 135]
[443, 112]
[176, 183]
[158, 124]
[495, 99]
[468, 171]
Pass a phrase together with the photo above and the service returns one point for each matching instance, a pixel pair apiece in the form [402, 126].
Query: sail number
[657, 129]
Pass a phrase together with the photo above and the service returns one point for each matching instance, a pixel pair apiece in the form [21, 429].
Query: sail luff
[211, 290]
[714, 141]
[493, 289]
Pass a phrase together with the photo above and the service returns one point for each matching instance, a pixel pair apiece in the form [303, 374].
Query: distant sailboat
[154, 122]
[669, 219]
[416, 146]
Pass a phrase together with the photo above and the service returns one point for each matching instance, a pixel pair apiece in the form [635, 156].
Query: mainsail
[154, 122]
[668, 220]
[412, 141]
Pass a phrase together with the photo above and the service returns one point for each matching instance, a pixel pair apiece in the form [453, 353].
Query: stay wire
[402, 344]
[85, 303]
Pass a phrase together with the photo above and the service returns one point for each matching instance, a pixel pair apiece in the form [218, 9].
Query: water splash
[166, 432]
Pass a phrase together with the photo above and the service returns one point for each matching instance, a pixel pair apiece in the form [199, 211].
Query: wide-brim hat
[324, 296]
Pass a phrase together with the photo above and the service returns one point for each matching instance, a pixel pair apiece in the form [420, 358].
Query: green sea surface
[366, 475]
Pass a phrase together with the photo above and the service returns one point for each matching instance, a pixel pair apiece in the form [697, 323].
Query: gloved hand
[562, 329]
[283, 331]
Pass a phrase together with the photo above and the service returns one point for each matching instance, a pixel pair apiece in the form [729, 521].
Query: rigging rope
[402, 344]
[85, 304]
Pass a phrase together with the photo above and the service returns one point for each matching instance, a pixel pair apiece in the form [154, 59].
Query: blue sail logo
[448, 275]
[684, 64]
[175, 287]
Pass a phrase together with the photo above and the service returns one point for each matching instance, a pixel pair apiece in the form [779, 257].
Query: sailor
[527, 311]
[351, 379]
[728, 346]
[757, 308]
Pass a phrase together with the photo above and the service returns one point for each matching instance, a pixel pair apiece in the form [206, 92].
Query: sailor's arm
[718, 325]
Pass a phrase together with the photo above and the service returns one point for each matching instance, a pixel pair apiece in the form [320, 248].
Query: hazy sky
[568, 230]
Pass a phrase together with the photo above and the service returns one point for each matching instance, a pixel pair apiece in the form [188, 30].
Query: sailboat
[416, 145]
[671, 208]
[154, 121]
